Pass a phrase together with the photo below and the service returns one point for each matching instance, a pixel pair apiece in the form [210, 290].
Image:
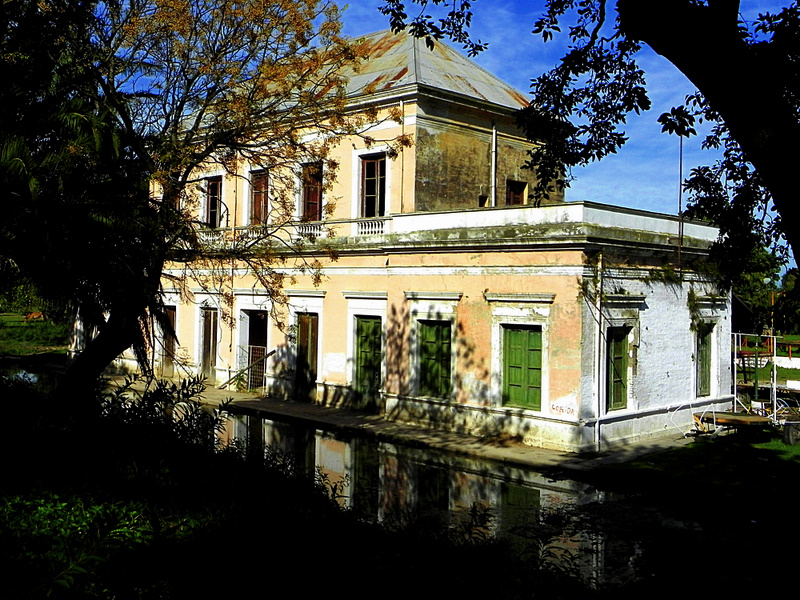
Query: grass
[715, 471]
[18, 338]
[763, 347]
[765, 375]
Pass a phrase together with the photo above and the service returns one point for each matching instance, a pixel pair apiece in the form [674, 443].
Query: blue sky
[644, 174]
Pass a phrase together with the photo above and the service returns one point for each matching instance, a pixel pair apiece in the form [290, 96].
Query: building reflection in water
[406, 486]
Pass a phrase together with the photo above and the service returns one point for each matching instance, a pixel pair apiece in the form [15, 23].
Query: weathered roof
[398, 60]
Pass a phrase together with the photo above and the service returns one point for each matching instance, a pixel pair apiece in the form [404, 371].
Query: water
[405, 485]
[43, 381]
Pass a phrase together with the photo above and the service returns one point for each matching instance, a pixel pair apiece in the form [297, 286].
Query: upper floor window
[311, 209]
[214, 207]
[515, 192]
[373, 185]
[258, 197]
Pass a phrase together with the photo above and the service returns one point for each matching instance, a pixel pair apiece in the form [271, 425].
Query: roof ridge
[416, 74]
[399, 59]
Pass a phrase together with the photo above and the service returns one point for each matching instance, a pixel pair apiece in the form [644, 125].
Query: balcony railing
[372, 226]
[209, 236]
[311, 231]
[298, 230]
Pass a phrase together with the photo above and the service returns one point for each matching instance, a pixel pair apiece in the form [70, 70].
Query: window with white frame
[704, 354]
[433, 328]
[522, 366]
[259, 188]
[366, 315]
[617, 377]
[373, 185]
[306, 317]
[520, 324]
[311, 192]
[619, 348]
[215, 211]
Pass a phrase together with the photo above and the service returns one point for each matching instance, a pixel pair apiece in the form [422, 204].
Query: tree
[144, 94]
[72, 189]
[745, 73]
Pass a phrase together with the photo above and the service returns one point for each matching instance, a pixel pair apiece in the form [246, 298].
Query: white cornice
[537, 298]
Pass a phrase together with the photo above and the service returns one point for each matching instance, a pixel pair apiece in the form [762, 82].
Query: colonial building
[454, 301]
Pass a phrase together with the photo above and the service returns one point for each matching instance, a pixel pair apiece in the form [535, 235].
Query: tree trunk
[117, 335]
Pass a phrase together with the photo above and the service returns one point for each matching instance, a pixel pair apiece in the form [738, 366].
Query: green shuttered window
[434, 358]
[368, 356]
[522, 367]
[703, 361]
[617, 368]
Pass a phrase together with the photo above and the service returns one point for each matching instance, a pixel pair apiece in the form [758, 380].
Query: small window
[434, 359]
[312, 192]
[703, 358]
[522, 367]
[214, 206]
[373, 185]
[617, 368]
[258, 197]
[515, 192]
[483, 201]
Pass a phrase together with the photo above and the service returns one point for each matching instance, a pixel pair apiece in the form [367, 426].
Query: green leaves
[677, 121]
[454, 25]
[55, 542]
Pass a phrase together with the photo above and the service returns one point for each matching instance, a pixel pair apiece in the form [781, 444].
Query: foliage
[54, 543]
[166, 411]
[579, 107]
[117, 106]
[132, 505]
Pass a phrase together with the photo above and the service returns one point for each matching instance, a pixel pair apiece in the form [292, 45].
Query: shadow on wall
[436, 377]
[431, 371]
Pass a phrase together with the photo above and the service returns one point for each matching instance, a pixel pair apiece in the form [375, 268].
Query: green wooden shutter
[617, 368]
[522, 367]
[434, 358]
[703, 359]
[368, 356]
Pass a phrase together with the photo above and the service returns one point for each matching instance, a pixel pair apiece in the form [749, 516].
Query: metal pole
[755, 371]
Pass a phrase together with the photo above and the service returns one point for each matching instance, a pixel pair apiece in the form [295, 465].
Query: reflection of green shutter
[617, 368]
[522, 367]
[434, 358]
[368, 356]
[703, 363]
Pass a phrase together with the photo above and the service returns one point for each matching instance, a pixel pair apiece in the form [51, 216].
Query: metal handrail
[248, 367]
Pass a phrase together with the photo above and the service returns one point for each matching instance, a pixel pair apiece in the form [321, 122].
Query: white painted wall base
[553, 434]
